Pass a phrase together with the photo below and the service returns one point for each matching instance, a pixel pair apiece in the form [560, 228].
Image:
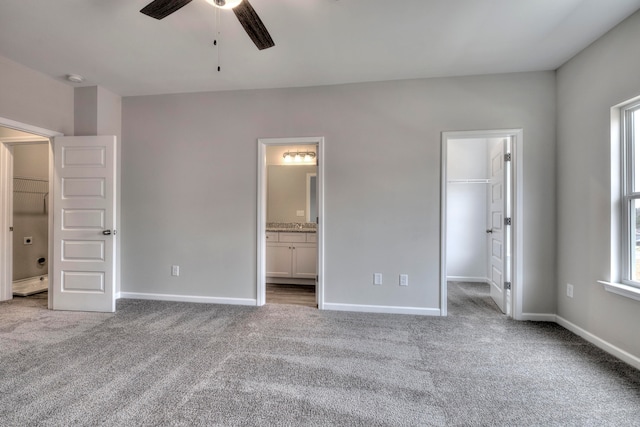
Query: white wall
[603, 75]
[189, 183]
[467, 210]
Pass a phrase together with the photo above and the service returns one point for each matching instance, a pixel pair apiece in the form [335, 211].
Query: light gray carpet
[164, 363]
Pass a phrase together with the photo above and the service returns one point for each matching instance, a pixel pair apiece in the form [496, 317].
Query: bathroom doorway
[289, 222]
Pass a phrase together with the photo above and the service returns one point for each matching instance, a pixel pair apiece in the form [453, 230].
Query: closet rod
[31, 179]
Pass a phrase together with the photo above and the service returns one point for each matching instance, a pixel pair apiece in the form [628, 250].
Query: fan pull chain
[218, 32]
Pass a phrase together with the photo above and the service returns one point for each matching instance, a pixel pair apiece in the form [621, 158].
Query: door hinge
[507, 157]
[507, 221]
[507, 286]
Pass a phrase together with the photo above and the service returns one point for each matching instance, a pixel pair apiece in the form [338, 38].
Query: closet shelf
[469, 181]
[26, 185]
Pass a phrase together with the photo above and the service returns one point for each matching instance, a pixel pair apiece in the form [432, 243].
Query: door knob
[108, 232]
[490, 230]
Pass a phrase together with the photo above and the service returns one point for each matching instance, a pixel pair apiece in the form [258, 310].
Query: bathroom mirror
[289, 193]
[312, 197]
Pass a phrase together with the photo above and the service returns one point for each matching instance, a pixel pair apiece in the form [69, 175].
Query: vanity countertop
[291, 229]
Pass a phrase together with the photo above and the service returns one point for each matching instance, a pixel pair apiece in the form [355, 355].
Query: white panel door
[499, 241]
[84, 219]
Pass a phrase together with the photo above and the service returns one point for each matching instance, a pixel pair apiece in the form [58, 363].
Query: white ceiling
[318, 42]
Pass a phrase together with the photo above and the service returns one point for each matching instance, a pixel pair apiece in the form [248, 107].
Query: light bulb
[298, 158]
[307, 157]
[222, 4]
[287, 158]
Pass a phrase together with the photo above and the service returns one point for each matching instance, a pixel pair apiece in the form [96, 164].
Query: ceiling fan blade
[162, 8]
[253, 25]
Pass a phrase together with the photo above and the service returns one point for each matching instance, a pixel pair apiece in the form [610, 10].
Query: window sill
[620, 289]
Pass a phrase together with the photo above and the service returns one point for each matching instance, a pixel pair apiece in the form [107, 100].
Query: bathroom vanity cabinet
[291, 257]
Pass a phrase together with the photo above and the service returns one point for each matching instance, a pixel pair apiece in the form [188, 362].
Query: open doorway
[481, 244]
[289, 221]
[30, 219]
[24, 213]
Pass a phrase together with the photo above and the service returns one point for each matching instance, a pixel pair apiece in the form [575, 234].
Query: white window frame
[628, 196]
[618, 281]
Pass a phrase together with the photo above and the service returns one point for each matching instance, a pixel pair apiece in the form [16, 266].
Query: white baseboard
[467, 279]
[600, 343]
[539, 317]
[382, 309]
[187, 298]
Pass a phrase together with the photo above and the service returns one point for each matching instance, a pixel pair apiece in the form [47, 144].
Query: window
[630, 133]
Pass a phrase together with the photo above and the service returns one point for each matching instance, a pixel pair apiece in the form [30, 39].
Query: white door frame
[263, 143]
[517, 223]
[6, 184]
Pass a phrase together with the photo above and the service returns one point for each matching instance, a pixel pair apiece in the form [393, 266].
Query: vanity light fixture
[298, 156]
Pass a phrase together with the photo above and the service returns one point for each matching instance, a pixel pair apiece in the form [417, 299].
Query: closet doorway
[481, 225]
[26, 206]
[290, 206]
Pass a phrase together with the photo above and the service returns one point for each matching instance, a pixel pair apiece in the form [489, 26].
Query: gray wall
[30, 218]
[97, 111]
[35, 99]
[189, 183]
[603, 75]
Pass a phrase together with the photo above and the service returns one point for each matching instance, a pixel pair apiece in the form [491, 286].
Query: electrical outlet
[300, 213]
[175, 270]
[377, 278]
[569, 290]
[404, 280]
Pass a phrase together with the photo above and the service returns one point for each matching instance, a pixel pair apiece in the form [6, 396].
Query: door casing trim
[517, 197]
[263, 143]
[6, 172]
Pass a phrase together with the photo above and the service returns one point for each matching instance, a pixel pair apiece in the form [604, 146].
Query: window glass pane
[635, 240]
[634, 140]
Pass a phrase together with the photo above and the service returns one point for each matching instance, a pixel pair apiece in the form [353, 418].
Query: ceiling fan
[242, 8]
